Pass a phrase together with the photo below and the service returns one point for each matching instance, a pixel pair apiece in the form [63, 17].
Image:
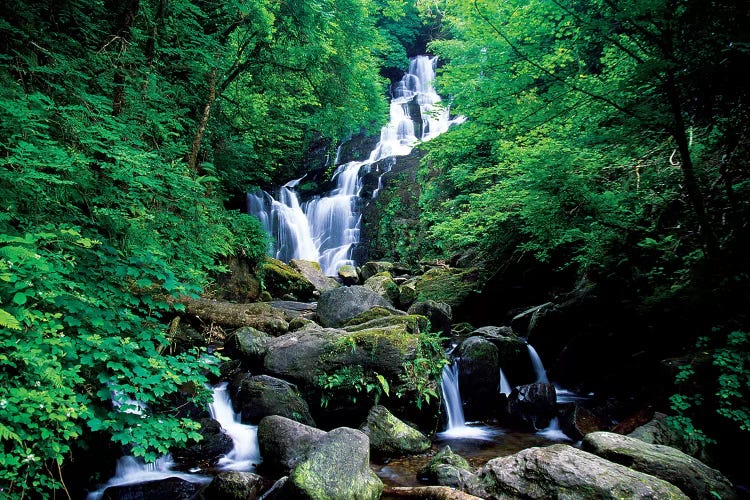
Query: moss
[280, 279]
[414, 323]
[448, 285]
[370, 314]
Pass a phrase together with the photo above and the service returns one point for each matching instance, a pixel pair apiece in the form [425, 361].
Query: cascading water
[536, 362]
[504, 387]
[246, 454]
[456, 425]
[326, 228]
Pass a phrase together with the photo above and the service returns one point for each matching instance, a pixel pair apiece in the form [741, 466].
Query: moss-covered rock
[311, 270]
[407, 293]
[336, 307]
[249, 345]
[283, 442]
[231, 485]
[383, 284]
[262, 395]
[479, 377]
[348, 275]
[414, 323]
[445, 468]
[369, 315]
[338, 467]
[390, 437]
[282, 281]
[372, 268]
[449, 285]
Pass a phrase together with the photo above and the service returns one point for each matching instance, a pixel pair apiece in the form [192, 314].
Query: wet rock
[312, 272]
[173, 488]
[206, 452]
[440, 315]
[533, 405]
[390, 437]
[262, 395]
[281, 280]
[249, 345]
[233, 486]
[577, 421]
[446, 468]
[478, 377]
[283, 442]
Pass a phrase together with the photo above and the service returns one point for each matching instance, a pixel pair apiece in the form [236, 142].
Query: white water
[326, 229]
[553, 431]
[536, 362]
[504, 387]
[246, 454]
[456, 426]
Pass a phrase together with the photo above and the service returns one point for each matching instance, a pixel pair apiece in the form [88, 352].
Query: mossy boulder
[373, 268]
[336, 307]
[232, 485]
[283, 442]
[207, 451]
[478, 377]
[338, 466]
[262, 395]
[450, 285]
[383, 284]
[439, 314]
[348, 275]
[312, 271]
[390, 437]
[414, 323]
[371, 314]
[283, 281]
[407, 293]
[446, 468]
[240, 283]
[248, 344]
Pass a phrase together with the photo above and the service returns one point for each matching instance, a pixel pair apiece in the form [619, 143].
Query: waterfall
[456, 425]
[246, 454]
[504, 387]
[536, 361]
[326, 228]
[553, 431]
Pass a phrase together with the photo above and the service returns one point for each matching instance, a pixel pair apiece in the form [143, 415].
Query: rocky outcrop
[562, 471]
[262, 395]
[336, 307]
[283, 442]
[338, 466]
[691, 475]
[390, 437]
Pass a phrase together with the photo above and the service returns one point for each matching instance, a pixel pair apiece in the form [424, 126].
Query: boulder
[407, 293]
[249, 345]
[283, 442]
[440, 315]
[231, 485]
[383, 285]
[390, 437]
[478, 377]
[337, 306]
[372, 268]
[692, 476]
[413, 323]
[446, 468]
[312, 272]
[206, 452]
[657, 431]
[562, 471]
[262, 395]
[338, 466]
[513, 355]
[283, 281]
[293, 309]
[533, 405]
[348, 275]
[371, 314]
[240, 283]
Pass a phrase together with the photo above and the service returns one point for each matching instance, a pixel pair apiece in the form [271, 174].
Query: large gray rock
[248, 344]
[283, 281]
[312, 272]
[440, 315]
[372, 268]
[478, 377]
[262, 395]
[658, 431]
[283, 442]
[336, 307]
[337, 467]
[691, 475]
[390, 437]
[562, 471]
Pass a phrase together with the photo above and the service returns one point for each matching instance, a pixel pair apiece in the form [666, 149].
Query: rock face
[338, 466]
[336, 307]
[479, 377]
[262, 395]
[283, 442]
[656, 431]
[692, 476]
[390, 437]
[562, 471]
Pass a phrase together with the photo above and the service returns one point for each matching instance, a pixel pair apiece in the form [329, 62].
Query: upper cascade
[326, 228]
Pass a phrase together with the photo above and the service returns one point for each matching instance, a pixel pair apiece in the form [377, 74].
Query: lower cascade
[456, 425]
[246, 454]
[326, 228]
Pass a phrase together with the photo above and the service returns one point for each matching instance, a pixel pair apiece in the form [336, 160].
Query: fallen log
[259, 315]
[428, 493]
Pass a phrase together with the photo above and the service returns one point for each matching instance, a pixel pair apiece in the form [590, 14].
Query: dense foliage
[610, 136]
[123, 127]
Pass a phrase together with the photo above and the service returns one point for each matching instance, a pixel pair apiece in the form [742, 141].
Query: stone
[283, 442]
[231, 485]
[348, 275]
[446, 468]
[337, 306]
[439, 314]
[478, 377]
[312, 272]
[262, 395]
[390, 437]
[280, 280]
[383, 284]
[533, 405]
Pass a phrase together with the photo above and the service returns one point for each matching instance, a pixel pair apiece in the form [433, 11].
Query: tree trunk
[257, 315]
[193, 160]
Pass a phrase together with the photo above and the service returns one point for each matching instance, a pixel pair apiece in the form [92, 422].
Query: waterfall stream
[456, 425]
[536, 361]
[326, 228]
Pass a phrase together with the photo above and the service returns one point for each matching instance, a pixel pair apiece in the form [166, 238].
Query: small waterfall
[246, 454]
[456, 425]
[504, 387]
[553, 431]
[536, 361]
[326, 228]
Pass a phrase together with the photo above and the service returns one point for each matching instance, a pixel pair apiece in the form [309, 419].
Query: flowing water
[326, 228]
